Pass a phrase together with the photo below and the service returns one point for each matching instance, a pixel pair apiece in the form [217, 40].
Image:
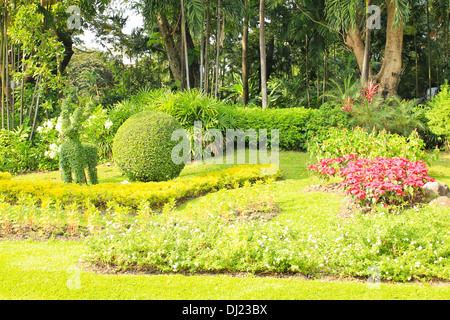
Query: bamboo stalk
[35, 113]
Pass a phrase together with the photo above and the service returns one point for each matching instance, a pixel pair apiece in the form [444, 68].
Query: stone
[433, 189]
[441, 201]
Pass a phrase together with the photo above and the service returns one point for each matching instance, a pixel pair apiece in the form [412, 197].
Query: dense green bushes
[362, 143]
[291, 123]
[143, 147]
[439, 113]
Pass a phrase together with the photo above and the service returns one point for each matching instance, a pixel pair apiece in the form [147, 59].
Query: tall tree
[218, 33]
[262, 48]
[245, 93]
[345, 17]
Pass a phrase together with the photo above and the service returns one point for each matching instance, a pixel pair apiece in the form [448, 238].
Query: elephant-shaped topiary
[73, 155]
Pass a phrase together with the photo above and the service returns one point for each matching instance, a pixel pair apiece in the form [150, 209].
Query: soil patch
[113, 270]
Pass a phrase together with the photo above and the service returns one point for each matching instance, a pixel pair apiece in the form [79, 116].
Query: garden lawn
[38, 270]
[41, 270]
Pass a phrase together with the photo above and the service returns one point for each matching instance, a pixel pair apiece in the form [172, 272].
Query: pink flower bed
[378, 180]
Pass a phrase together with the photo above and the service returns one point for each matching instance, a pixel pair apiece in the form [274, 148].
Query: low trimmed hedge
[131, 195]
[291, 123]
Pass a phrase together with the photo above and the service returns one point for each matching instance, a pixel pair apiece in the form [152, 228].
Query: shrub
[291, 123]
[131, 195]
[439, 114]
[380, 180]
[142, 147]
[341, 142]
[327, 116]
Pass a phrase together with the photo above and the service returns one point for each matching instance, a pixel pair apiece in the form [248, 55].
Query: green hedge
[291, 123]
[296, 125]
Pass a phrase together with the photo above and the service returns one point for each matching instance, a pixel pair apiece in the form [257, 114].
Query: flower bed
[387, 181]
[131, 195]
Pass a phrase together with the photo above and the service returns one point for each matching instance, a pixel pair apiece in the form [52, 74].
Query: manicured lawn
[39, 270]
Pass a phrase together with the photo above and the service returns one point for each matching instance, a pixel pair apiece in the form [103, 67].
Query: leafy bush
[341, 142]
[143, 147]
[131, 195]
[388, 181]
[439, 114]
[327, 116]
[18, 154]
[291, 123]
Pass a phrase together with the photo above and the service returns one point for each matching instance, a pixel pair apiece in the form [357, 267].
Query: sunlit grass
[40, 270]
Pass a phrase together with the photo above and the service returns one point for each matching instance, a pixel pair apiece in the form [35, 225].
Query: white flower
[108, 124]
[58, 126]
[39, 129]
[48, 124]
[124, 182]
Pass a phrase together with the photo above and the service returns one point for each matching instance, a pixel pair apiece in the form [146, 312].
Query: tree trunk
[428, 48]
[171, 49]
[390, 72]
[217, 50]
[185, 50]
[245, 93]
[366, 59]
[324, 75]
[307, 71]
[262, 46]
[202, 47]
[208, 27]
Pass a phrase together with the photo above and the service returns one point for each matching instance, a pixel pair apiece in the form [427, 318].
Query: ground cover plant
[132, 194]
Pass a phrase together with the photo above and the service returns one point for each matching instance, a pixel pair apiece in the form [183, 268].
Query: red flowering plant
[348, 106]
[370, 92]
[386, 181]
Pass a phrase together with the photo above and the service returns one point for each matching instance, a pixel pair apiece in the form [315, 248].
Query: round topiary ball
[142, 147]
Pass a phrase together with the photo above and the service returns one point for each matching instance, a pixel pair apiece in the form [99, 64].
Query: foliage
[5, 176]
[386, 181]
[131, 195]
[143, 147]
[323, 118]
[358, 141]
[291, 123]
[439, 113]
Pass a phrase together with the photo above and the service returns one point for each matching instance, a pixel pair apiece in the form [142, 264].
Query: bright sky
[134, 20]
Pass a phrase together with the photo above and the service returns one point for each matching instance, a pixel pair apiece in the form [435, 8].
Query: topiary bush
[142, 147]
[75, 157]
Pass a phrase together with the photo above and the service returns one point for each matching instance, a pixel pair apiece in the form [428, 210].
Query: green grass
[39, 270]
